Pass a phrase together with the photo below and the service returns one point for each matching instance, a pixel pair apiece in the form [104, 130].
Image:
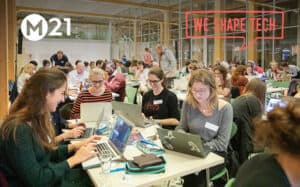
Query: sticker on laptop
[193, 147]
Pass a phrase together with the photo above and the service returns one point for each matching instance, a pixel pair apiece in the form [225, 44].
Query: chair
[130, 94]
[230, 182]
[65, 111]
[280, 84]
[3, 180]
[224, 171]
[235, 92]
[13, 92]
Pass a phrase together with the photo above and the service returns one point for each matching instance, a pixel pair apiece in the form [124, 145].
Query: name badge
[157, 102]
[211, 126]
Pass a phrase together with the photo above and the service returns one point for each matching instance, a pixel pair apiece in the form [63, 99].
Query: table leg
[207, 177]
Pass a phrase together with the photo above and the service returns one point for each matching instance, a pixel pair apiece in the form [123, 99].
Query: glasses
[153, 81]
[97, 82]
[200, 91]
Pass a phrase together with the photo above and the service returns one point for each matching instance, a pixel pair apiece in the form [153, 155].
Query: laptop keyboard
[104, 149]
[88, 132]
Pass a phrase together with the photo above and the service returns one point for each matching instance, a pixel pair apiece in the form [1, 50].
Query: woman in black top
[280, 133]
[159, 103]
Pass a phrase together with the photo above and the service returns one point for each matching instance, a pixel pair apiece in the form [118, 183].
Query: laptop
[115, 146]
[132, 112]
[180, 84]
[187, 143]
[94, 115]
[274, 102]
[91, 113]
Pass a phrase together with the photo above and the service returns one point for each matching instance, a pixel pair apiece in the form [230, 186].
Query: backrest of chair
[280, 84]
[235, 92]
[66, 110]
[233, 130]
[130, 93]
[13, 93]
[293, 87]
[230, 182]
[3, 180]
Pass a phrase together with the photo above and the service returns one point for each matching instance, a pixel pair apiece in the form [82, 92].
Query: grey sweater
[214, 130]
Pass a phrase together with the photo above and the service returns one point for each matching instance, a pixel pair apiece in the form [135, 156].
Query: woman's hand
[93, 139]
[74, 133]
[73, 125]
[84, 153]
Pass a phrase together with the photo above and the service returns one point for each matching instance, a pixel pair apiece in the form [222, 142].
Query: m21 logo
[34, 27]
[206, 24]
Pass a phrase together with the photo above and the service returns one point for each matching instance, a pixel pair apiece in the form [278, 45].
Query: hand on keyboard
[73, 125]
[84, 153]
[92, 139]
[75, 133]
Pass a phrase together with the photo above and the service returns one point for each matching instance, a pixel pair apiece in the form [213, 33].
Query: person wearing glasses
[97, 92]
[206, 115]
[159, 103]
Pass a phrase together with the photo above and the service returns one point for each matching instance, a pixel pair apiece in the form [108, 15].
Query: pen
[117, 170]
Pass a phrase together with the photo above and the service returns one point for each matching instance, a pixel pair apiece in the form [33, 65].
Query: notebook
[182, 142]
[274, 102]
[92, 114]
[115, 146]
[132, 112]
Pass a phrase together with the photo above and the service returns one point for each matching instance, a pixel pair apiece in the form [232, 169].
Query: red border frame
[187, 13]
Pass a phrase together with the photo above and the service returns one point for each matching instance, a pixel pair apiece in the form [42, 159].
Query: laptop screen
[274, 102]
[120, 133]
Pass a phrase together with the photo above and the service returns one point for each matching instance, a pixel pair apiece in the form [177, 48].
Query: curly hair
[281, 129]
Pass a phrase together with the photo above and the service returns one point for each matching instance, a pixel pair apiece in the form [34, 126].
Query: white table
[178, 164]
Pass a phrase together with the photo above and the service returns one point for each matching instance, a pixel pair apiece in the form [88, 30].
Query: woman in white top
[25, 74]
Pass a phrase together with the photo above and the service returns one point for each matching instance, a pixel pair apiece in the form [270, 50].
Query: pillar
[251, 50]
[3, 58]
[218, 42]
[12, 35]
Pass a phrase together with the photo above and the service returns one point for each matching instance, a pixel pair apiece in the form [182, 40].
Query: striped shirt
[87, 97]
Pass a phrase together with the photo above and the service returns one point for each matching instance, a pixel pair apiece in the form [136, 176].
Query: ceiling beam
[79, 13]
[135, 4]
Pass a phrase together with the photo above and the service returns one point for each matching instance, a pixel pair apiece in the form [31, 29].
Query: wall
[85, 50]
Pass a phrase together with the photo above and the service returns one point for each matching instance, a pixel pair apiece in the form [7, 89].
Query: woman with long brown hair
[206, 115]
[29, 154]
[246, 108]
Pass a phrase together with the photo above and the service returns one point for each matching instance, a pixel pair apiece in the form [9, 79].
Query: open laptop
[274, 102]
[132, 112]
[90, 113]
[182, 142]
[115, 146]
[180, 84]
[93, 114]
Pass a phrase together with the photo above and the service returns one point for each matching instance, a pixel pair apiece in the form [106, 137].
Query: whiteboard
[85, 50]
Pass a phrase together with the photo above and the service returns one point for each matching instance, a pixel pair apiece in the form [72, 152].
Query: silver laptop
[180, 84]
[132, 112]
[274, 102]
[182, 142]
[94, 113]
[115, 146]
